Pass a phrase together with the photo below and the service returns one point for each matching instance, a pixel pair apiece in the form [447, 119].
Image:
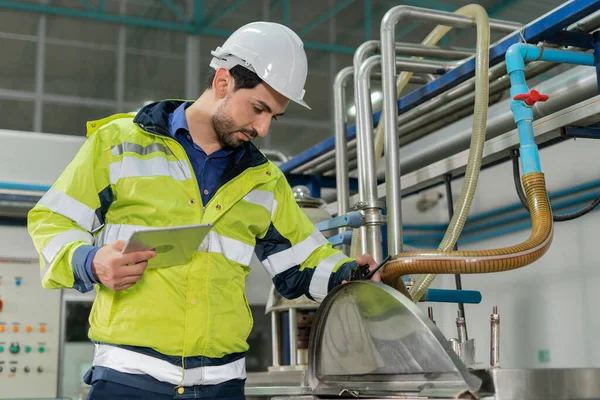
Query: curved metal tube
[368, 182]
[275, 153]
[485, 261]
[422, 115]
[480, 18]
[341, 145]
[390, 108]
[371, 238]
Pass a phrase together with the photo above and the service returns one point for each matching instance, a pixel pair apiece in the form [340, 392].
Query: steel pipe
[293, 332]
[281, 156]
[366, 152]
[341, 146]
[446, 103]
[367, 181]
[390, 107]
[276, 349]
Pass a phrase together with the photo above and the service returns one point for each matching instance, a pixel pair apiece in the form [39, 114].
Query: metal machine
[29, 332]
[368, 340]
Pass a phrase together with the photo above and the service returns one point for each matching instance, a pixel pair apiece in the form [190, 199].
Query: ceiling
[81, 57]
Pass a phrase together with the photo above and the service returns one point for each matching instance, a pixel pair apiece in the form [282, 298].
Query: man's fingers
[124, 286]
[119, 245]
[130, 280]
[135, 270]
[137, 257]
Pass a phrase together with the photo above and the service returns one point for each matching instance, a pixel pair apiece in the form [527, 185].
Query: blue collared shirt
[208, 170]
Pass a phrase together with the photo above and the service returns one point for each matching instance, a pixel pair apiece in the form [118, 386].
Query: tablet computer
[173, 245]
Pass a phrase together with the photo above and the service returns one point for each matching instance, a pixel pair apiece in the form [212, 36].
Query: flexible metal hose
[485, 261]
[477, 139]
[479, 124]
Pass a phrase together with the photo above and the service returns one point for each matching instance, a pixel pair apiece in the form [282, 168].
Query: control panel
[29, 332]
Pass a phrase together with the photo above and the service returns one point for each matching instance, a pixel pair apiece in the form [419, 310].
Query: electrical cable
[514, 155]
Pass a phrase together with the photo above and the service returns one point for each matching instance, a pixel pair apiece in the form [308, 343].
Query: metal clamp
[365, 205]
[374, 218]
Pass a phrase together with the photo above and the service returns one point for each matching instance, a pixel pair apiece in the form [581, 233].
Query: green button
[27, 349]
[1, 349]
[14, 349]
[42, 349]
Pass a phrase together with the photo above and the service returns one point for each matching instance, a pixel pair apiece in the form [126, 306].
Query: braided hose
[480, 116]
[485, 261]
[467, 193]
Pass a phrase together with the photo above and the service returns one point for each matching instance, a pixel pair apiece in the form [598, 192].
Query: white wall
[551, 304]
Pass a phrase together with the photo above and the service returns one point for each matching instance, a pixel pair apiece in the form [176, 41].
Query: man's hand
[118, 271]
[367, 259]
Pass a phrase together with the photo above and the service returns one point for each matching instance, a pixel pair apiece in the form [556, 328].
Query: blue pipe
[21, 186]
[518, 53]
[516, 56]
[452, 296]
[352, 219]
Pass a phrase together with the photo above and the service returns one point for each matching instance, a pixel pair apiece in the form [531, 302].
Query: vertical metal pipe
[341, 143]
[40, 68]
[461, 327]
[121, 52]
[275, 322]
[390, 118]
[293, 324]
[368, 183]
[361, 54]
[457, 278]
[495, 338]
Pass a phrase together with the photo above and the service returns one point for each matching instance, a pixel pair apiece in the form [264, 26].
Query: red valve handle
[532, 97]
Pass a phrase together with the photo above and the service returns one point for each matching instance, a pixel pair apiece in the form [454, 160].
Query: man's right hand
[118, 271]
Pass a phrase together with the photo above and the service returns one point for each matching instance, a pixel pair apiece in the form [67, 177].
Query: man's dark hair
[243, 78]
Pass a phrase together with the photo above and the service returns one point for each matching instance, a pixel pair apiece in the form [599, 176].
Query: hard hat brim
[302, 103]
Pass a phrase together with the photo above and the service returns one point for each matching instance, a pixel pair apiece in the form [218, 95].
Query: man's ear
[222, 83]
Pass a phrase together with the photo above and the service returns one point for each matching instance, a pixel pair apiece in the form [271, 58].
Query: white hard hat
[273, 51]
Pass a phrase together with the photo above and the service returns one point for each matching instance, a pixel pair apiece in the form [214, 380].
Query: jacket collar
[154, 118]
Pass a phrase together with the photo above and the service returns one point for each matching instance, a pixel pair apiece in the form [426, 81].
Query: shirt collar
[178, 124]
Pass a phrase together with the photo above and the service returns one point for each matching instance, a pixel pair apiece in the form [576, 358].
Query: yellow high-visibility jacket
[130, 174]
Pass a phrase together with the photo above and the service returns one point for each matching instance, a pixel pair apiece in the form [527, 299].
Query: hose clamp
[366, 205]
[374, 218]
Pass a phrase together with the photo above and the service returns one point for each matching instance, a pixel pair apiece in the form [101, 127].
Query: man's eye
[274, 118]
[258, 110]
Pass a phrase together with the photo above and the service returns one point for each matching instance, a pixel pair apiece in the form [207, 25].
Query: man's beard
[226, 130]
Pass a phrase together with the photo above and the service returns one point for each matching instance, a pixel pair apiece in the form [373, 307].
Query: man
[180, 332]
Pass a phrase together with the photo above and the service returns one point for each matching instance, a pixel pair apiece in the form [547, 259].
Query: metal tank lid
[304, 199]
[368, 340]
